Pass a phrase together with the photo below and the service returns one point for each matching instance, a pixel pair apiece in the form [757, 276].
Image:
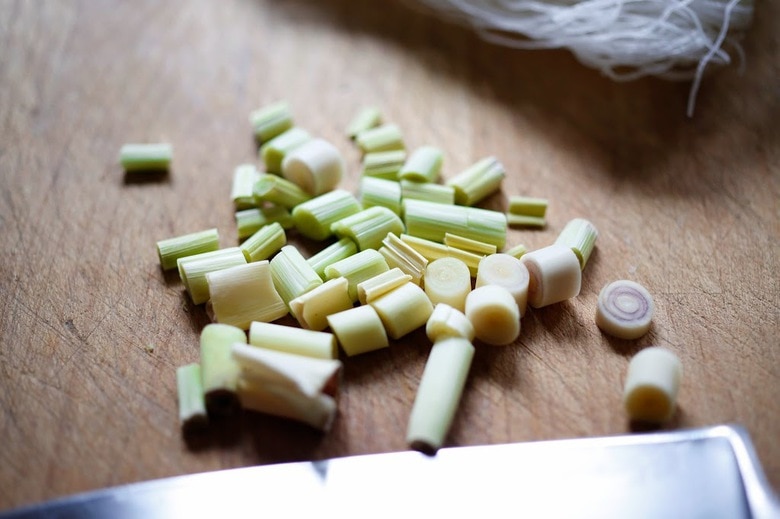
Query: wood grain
[688, 208]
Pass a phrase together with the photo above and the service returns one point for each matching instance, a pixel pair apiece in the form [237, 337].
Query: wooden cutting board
[91, 330]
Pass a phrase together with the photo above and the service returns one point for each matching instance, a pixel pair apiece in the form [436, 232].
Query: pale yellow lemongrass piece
[624, 309]
[427, 191]
[170, 250]
[358, 330]
[507, 271]
[432, 221]
[313, 308]
[554, 275]
[263, 244]
[357, 268]
[380, 192]
[273, 152]
[334, 252]
[517, 251]
[403, 256]
[528, 206]
[438, 395]
[423, 165]
[381, 284]
[279, 191]
[478, 181]
[494, 314]
[580, 235]
[446, 321]
[146, 157]
[249, 221]
[368, 227]
[382, 138]
[383, 164]
[271, 120]
[403, 309]
[367, 118]
[219, 372]
[652, 384]
[316, 166]
[292, 275]
[432, 250]
[317, 411]
[244, 178]
[193, 270]
[522, 220]
[468, 245]
[245, 293]
[314, 217]
[447, 280]
[278, 337]
[192, 405]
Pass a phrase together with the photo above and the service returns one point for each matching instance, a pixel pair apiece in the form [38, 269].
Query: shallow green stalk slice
[146, 157]
[357, 268]
[314, 217]
[413, 189]
[249, 221]
[423, 165]
[273, 152]
[522, 220]
[271, 121]
[478, 181]
[466, 244]
[368, 227]
[384, 164]
[245, 293]
[219, 372]
[292, 275]
[171, 249]
[580, 235]
[193, 270]
[380, 192]
[278, 337]
[382, 138]
[334, 252]
[192, 405]
[263, 244]
[368, 117]
[244, 178]
[432, 221]
[528, 206]
[279, 191]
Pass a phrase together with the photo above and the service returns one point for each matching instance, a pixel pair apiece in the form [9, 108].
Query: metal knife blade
[708, 472]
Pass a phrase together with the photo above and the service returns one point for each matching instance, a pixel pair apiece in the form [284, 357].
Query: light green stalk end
[477, 181]
[244, 178]
[380, 192]
[424, 165]
[249, 221]
[271, 121]
[412, 189]
[279, 191]
[193, 270]
[314, 217]
[263, 244]
[334, 252]
[278, 337]
[369, 117]
[357, 268]
[243, 294]
[403, 309]
[273, 152]
[382, 138]
[432, 221]
[517, 251]
[219, 372]
[146, 157]
[528, 206]
[192, 405]
[580, 235]
[292, 275]
[384, 164]
[369, 227]
[475, 246]
[171, 249]
[524, 220]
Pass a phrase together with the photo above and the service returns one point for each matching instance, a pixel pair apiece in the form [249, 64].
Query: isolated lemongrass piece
[468, 245]
[508, 272]
[313, 308]
[403, 309]
[528, 206]
[554, 275]
[439, 393]
[517, 250]
[192, 405]
[624, 309]
[219, 371]
[273, 152]
[367, 118]
[380, 192]
[357, 268]
[494, 314]
[245, 293]
[263, 244]
[652, 384]
[447, 280]
[334, 252]
[579, 235]
[271, 120]
[292, 275]
[401, 255]
[278, 337]
[244, 178]
[476, 182]
[367, 228]
[427, 191]
[314, 217]
[381, 284]
[432, 221]
[316, 166]
[423, 165]
[279, 191]
[383, 164]
[193, 270]
[358, 330]
[386, 137]
[170, 250]
[446, 322]
[523, 220]
[249, 221]
[146, 157]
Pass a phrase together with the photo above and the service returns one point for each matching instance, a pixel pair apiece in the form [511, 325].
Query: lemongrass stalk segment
[263, 244]
[432, 250]
[424, 165]
[249, 221]
[517, 250]
[192, 405]
[316, 166]
[334, 252]
[466, 244]
[579, 235]
[494, 314]
[446, 322]
[528, 206]
[413, 189]
[399, 254]
[508, 272]
[193, 270]
[381, 138]
[367, 118]
[170, 250]
[357, 268]
[554, 275]
[292, 275]
[368, 227]
[523, 220]
[384, 164]
[146, 157]
[219, 371]
[439, 393]
[245, 293]
[359, 330]
[432, 221]
[381, 284]
[314, 217]
[403, 309]
[624, 309]
[244, 178]
[380, 192]
[278, 191]
[447, 280]
[278, 337]
[317, 411]
[478, 181]
[652, 384]
[271, 121]
[313, 308]
[274, 151]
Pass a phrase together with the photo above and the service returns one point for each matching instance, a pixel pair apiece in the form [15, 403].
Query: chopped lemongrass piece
[368, 227]
[432, 221]
[624, 310]
[263, 244]
[494, 314]
[528, 206]
[468, 245]
[403, 256]
[381, 284]
[314, 217]
[344, 248]
[244, 178]
[522, 220]
[382, 138]
[652, 384]
[447, 280]
[369, 117]
[219, 372]
[380, 192]
[403, 309]
[517, 251]
[274, 151]
[477, 181]
[554, 275]
[245, 293]
[271, 120]
[427, 191]
[170, 250]
[278, 191]
[508, 272]
[278, 337]
[580, 235]
[358, 330]
[292, 275]
[316, 166]
[432, 250]
[317, 411]
[146, 157]
[192, 405]
[357, 268]
[313, 308]
[193, 270]
[423, 165]
[446, 321]
[384, 164]
[249, 221]
[439, 393]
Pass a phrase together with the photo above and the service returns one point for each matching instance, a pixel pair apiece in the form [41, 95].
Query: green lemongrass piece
[344, 248]
[384, 164]
[193, 270]
[652, 384]
[580, 235]
[192, 405]
[170, 250]
[508, 272]
[314, 217]
[399, 254]
[423, 165]
[381, 284]
[358, 330]
[523, 220]
[313, 308]
[446, 321]
[263, 244]
[316, 166]
[528, 206]
[219, 372]
[403, 309]
[244, 178]
[554, 275]
[494, 314]
[146, 157]
[368, 227]
[273, 152]
[292, 275]
[278, 337]
[427, 191]
[438, 395]
[382, 138]
[278, 191]
[369, 117]
[466, 244]
[357, 268]
[271, 120]
[517, 251]
[380, 192]
[479, 180]
[433, 250]
[432, 221]
[447, 280]
[245, 293]
[249, 221]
